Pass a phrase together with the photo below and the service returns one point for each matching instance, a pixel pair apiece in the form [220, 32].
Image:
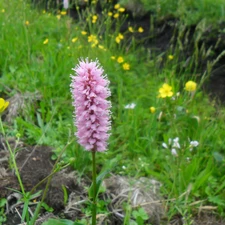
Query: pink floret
[90, 91]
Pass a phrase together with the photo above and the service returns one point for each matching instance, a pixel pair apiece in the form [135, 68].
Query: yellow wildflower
[3, 105]
[101, 47]
[121, 9]
[110, 13]
[93, 39]
[119, 38]
[126, 66]
[170, 57]
[74, 39]
[131, 29]
[45, 41]
[140, 30]
[63, 13]
[94, 18]
[152, 109]
[190, 86]
[116, 6]
[116, 15]
[120, 59]
[165, 91]
[113, 57]
[58, 17]
[27, 22]
[83, 32]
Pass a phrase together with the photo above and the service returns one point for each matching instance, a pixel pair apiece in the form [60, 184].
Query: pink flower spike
[90, 90]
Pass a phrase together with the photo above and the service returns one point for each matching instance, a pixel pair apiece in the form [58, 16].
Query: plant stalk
[94, 203]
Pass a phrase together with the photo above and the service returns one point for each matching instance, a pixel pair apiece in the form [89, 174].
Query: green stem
[94, 204]
[13, 159]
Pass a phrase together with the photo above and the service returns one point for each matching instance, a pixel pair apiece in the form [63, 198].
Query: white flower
[164, 145]
[174, 152]
[65, 4]
[124, 167]
[130, 106]
[176, 143]
[194, 143]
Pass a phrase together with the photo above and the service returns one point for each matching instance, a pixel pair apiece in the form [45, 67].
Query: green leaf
[99, 180]
[47, 207]
[3, 201]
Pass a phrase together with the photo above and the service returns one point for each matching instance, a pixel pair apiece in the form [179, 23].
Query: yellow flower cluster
[3, 105]
[120, 60]
[166, 89]
[119, 37]
[131, 29]
[93, 39]
[117, 11]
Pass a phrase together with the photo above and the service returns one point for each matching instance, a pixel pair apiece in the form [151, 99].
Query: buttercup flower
[140, 30]
[116, 15]
[120, 59]
[94, 18]
[190, 86]
[152, 109]
[63, 13]
[170, 57]
[121, 9]
[74, 40]
[83, 32]
[131, 29]
[126, 66]
[3, 105]
[165, 91]
[110, 13]
[119, 37]
[89, 89]
[116, 6]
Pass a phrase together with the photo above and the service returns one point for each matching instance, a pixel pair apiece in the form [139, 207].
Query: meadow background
[178, 140]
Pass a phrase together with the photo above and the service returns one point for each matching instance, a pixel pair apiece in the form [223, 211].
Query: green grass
[38, 55]
[190, 12]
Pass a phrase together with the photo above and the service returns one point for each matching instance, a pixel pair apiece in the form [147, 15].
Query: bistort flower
[89, 90]
[3, 105]
[165, 91]
[190, 86]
